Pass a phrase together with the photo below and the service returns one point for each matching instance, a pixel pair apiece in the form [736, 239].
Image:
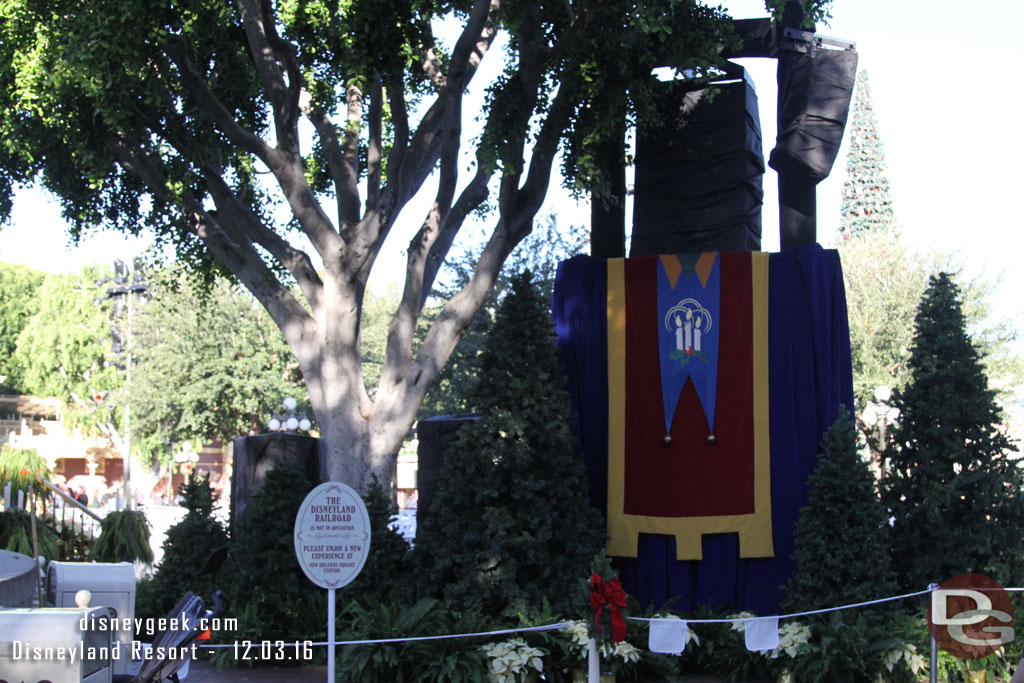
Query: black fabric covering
[698, 180]
[254, 456]
[434, 435]
[814, 102]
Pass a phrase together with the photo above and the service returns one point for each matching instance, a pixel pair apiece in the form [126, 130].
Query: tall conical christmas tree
[510, 527]
[867, 201]
[842, 553]
[954, 485]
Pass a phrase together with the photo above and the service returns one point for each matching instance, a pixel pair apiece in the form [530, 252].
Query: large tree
[208, 366]
[19, 286]
[228, 128]
[954, 486]
[64, 351]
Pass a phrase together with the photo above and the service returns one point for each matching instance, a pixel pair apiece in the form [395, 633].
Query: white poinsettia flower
[740, 625]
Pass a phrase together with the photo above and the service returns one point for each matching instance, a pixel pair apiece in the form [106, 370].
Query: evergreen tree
[953, 490]
[842, 551]
[510, 527]
[189, 544]
[867, 202]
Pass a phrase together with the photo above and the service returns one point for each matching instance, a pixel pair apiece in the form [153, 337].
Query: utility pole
[128, 289]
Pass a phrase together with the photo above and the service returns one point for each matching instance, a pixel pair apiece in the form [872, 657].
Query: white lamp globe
[290, 403]
[274, 424]
[305, 424]
[883, 394]
[292, 423]
[869, 415]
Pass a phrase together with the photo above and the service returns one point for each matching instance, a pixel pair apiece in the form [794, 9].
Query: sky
[945, 85]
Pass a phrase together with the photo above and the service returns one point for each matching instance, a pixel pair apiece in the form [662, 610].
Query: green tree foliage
[953, 487]
[539, 253]
[209, 366]
[884, 283]
[867, 200]
[19, 302]
[64, 351]
[184, 118]
[841, 554]
[510, 526]
[883, 286]
[189, 544]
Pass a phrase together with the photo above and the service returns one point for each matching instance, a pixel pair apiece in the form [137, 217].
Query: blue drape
[810, 376]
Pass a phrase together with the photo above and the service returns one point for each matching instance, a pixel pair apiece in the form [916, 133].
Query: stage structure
[698, 181]
[703, 371]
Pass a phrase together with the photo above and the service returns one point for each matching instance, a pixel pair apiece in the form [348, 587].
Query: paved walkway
[205, 672]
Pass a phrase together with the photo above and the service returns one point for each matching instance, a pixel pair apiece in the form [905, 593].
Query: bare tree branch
[375, 142]
[297, 262]
[234, 250]
[344, 174]
[204, 97]
[424, 150]
[472, 196]
[473, 42]
[267, 62]
[286, 112]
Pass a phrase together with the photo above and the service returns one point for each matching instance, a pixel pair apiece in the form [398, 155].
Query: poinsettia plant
[607, 602]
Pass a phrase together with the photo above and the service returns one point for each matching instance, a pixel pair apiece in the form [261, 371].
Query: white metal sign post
[332, 540]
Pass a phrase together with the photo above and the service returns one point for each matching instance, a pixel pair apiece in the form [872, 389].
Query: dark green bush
[385, 564]
[841, 553]
[455, 660]
[189, 544]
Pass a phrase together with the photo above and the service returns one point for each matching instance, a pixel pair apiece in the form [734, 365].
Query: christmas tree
[953, 484]
[510, 529]
[867, 202]
[842, 552]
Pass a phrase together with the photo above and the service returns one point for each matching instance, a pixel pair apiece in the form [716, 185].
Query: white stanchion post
[933, 667]
[7, 496]
[330, 635]
[593, 662]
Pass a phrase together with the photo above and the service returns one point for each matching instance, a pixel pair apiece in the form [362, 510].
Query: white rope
[564, 624]
[798, 614]
[502, 632]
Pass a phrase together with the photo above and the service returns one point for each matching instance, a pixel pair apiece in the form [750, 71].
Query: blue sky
[945, 82]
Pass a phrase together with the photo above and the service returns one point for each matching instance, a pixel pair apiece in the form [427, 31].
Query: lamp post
[288, 421]
[880, 415]
[128, 289]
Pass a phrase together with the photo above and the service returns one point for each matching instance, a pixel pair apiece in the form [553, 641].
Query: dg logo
[970, 616]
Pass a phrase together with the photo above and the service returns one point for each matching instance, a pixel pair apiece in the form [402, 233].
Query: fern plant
[124, 537]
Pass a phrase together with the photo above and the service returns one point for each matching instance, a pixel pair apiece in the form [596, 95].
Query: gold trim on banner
[754, 529]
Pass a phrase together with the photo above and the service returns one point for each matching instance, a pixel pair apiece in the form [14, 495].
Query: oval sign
[332, 535]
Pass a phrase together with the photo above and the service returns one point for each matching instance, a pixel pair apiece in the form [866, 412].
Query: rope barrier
[731, 620]
[378, 641]
[565, 624]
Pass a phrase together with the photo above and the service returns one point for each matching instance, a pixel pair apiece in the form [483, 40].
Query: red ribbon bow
[608, 593]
